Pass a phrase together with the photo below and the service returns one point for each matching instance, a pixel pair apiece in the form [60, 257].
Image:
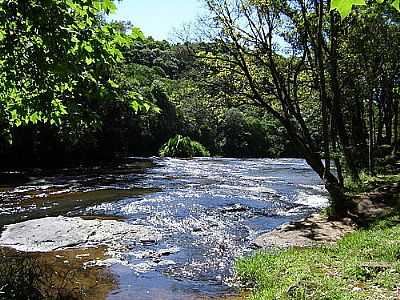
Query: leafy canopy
[54, 54]
[344, 7]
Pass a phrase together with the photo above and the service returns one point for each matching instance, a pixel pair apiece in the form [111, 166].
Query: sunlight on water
[208, 211]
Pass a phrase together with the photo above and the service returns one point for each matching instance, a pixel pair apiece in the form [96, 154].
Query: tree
[285, 54]
[53, 54]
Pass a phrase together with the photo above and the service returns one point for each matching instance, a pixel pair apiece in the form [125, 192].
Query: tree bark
[338, 164]
[337, 110]
[396, 127]
[388, 110]
[313, 159]
[319, 9]
[371, 137]
[379, 134]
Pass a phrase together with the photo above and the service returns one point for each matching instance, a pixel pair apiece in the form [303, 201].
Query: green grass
[363, 265]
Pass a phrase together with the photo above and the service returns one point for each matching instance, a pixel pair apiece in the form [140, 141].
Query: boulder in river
[60, 233]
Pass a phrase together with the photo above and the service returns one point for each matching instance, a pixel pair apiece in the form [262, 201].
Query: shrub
[180, 146]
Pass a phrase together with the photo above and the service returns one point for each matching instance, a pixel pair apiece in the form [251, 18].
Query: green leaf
[2, 34]
[137, 34]
[74, 39]
[344, 6]
[88, 48]
[146, 106]
[14, 115]
[34, 118]
[109, 6]
[89, 60]
[156, 109]
[135, 105]
[113, 84]
[396, 5]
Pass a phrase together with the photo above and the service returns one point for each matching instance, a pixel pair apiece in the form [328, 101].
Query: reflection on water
[55, 203]
[207, 210]
[57, 275]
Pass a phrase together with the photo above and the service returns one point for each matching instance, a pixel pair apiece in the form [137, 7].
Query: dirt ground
[318, 229]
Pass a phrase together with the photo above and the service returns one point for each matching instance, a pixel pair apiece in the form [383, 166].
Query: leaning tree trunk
[314, 160]
[332, 185]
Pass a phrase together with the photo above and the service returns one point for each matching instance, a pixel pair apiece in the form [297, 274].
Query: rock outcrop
[60, 233]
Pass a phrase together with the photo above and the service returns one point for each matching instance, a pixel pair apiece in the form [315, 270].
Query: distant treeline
[169, 76]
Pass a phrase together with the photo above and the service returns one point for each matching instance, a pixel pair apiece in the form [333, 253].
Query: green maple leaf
[344, 6]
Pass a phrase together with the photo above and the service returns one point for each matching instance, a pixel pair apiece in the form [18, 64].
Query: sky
[157, 18]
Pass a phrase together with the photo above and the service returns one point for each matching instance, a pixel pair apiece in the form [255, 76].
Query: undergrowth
[368, 182]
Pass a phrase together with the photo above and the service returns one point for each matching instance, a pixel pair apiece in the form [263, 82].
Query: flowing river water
[208, 211]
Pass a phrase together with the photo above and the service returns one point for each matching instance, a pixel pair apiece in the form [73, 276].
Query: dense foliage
[180, 146]
[56, 73]
[344, 7]
[152, 94]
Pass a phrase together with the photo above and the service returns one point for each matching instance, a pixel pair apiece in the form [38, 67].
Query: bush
[180, 146]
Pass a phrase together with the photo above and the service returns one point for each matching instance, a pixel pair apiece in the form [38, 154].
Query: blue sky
[157, 18]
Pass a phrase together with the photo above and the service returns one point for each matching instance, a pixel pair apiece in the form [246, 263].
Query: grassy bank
[363, 265]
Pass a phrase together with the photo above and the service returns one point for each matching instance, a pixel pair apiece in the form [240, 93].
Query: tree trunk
[388, 110]
[314, 160]
[371, 137]
[337, 110]
[319, 10]
[379, 134]
[332, 185]
[396, 127]
[338, 164]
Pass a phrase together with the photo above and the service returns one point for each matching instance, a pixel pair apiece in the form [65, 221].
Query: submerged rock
[59, 233]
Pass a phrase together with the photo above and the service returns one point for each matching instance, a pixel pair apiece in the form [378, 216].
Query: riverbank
[363, 264]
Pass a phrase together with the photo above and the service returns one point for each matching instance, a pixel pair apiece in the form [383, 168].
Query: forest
[279, 79]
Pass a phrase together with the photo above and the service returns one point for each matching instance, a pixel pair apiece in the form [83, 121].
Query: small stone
[234, 208]
[148, 240]
[166, 252]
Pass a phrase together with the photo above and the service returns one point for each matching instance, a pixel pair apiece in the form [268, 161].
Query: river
[208, 212]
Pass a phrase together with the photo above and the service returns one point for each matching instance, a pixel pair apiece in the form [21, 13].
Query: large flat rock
[60, 233]
[311, 231]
